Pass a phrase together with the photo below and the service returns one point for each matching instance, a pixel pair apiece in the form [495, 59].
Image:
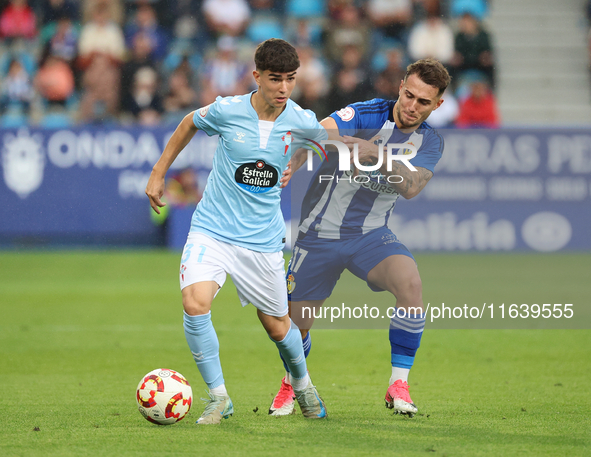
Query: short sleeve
[320, 132]
[430, 153]
[208, 118]
[366, 115]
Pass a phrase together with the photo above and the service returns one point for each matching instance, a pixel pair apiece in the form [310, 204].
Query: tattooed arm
[412, 181]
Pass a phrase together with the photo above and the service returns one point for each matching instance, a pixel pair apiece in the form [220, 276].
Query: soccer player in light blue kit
[344, 223]
[237, 227]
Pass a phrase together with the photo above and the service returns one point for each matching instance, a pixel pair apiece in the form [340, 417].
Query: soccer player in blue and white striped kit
[344, 224]
[237, 227]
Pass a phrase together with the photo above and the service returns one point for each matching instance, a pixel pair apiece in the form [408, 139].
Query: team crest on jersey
[408, 151]
[203, 111]
[346, 114]
[256, 177]
[287, 140]
[290, 284]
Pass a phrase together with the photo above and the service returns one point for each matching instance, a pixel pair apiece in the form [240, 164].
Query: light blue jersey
[241, 202]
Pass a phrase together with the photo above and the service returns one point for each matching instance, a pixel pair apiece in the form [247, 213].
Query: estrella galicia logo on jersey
[256, 177]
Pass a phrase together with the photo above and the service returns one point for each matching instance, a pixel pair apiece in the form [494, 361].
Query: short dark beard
[402, 124]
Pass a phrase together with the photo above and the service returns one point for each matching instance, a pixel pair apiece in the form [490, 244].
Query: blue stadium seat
[263, 27]
[56, 120]
[305, 8]
[477, 8]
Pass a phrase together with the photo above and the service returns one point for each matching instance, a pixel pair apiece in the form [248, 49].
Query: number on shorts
[188, 248]
[298, 257]
[200, 257]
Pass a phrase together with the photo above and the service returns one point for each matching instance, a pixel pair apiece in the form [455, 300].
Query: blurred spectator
[182, 189]
[18, 20]
[114, 10]
[141, 51]
[479, 108]
[146, 23]
[100, 90]
[55, 79]
[226, 17]
[477, 8]
[348, 28]
[313, 82]
[167, 11]
[180, 97]
[351, 82]
[101, 51]
[17, 90]
[336, 6]
[224, 74]
[101, 36]
[61, 37]
[145, 104]
[473, 50]
[391, 17]
[54, 10]
[305, 32]
[422, 8]
[447, 113]
[387, 83]
[431, 37]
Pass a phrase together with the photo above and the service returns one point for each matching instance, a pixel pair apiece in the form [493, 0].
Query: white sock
[300, 384]
[399, 373]
[219, 391]
[288, 378]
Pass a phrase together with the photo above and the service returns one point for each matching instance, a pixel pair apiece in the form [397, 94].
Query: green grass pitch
[79, 329]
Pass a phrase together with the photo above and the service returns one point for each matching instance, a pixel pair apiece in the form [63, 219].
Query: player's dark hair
[431, 72]
[277, 56]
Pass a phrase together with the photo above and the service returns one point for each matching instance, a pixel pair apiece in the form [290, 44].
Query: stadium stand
[527, 52]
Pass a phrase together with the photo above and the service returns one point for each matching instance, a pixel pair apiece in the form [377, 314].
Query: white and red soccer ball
[164, 396]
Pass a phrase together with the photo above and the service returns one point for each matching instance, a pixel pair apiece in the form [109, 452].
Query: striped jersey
[340, 208]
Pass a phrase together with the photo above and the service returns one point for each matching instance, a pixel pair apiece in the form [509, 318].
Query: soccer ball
[164, 396]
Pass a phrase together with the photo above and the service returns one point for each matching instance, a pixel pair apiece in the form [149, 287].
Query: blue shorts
[316, 264]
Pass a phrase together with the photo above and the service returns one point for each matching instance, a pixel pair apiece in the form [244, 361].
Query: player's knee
[195, 305]
[412, 291]
[277, 329]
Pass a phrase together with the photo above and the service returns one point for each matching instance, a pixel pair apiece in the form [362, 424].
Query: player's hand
[367, 151]
[286, 176]
[155, 191]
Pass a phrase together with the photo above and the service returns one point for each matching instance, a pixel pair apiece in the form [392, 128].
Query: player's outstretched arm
[412, 182]
[179, 139]
[301, 155]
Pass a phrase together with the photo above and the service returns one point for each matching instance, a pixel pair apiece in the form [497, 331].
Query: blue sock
[307, 343]
[205, 347]
[405, 337]
[291, 351]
